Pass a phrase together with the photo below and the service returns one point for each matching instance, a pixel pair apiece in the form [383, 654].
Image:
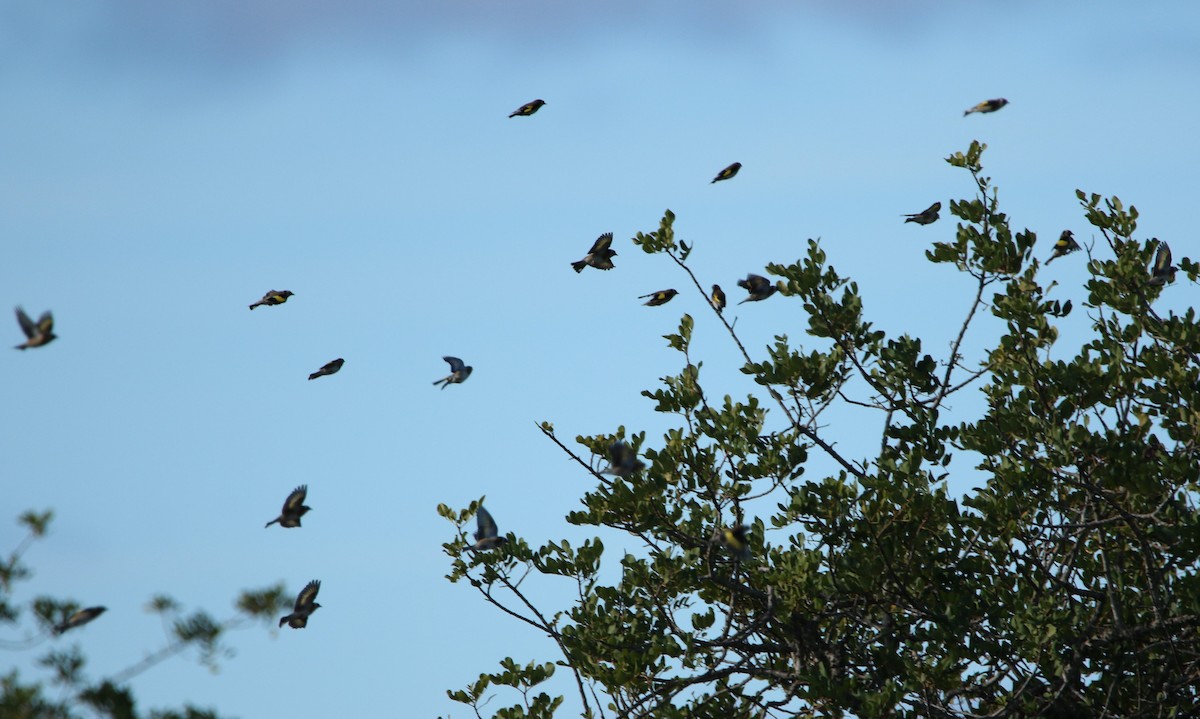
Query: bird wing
[602, 243]
[487, 526]
[27, 325]
[45, 323]
[756, 283]
[1162, 260]
[455, 363]
[295, 500]
[308, 595]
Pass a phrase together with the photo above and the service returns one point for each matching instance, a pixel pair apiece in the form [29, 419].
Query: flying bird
[1162, 271]
[1064, 245]
[926, 217]
[622, 460]
[273, 297]
[78, 619]
[718, 298]
[305, 605]
[528, 108]
[459, 373]
[728, 172]
[987, 106]
[328, 368]
[735, 539]
[759, 287]
[661, 297]
[487, 535]
[600, 256]
[38, 334]
[293, 508]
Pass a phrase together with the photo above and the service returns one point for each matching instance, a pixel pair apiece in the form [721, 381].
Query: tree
[1064, 585]
[107, 697]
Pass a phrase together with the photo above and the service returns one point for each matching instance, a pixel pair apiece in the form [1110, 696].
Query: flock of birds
[623, 460]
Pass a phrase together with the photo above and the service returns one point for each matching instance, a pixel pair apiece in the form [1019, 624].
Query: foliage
[1063, 585]
[108, 697]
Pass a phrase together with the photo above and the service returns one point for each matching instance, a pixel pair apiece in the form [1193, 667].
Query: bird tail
[578, 266]
[1052, 258]
[21, 347]
[314, 375]
[273, 521]
[912, 219]
[968, 112]
[256, 304]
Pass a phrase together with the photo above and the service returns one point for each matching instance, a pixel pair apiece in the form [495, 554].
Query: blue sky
[163, 165]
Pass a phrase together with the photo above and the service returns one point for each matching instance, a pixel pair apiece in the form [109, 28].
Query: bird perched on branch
[459, 373]
[926, 217]
[759, 287]
[36, 335]
[329, 368]
[306, 604]
[487, 535]
[293, 508]
[735, 539]
[600, 256]
[78, 619]
[528, 109]
[987, 106]
[728, 172]
[661, 297]
[273, 297]
[717, 299]
[622, 460]
[1064, 245]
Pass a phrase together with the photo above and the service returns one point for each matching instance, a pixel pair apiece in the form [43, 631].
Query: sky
[162, 165]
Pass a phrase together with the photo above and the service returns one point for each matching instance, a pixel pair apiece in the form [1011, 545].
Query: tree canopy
[1063, 583]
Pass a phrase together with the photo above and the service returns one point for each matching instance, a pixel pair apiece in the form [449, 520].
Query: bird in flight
[293, 508]
[78, 619]
[600, 256]
[36, 335]
[987, 106]
[528, 108]
[273, 297]
[661, 297]
[459, 373]
[728, 172]
[759, 287]
[328, 368]
[487, 535]
[306, 604]
[1064, 245]
[925, 217]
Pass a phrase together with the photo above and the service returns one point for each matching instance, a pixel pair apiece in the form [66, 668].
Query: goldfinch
[78, 619]
[293, 508]
[987, 106]
[459, 373]
[759, 287]
[528, 109]
[487, 535]
[718, 298]
[926, 217]
[36, 335]
[1162, 271]
[305, 605]
[329, 368]
[661, 297]
[728, 172]
[273, 297]
[1065, 245]
[600, 256]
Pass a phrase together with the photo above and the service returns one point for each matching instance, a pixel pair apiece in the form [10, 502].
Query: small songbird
[718, 298]
[487, 535]
[459, 373]
[38, 334]
[600, 256]
[305, 605]
[528, 108]
[759, 287]
[926, 217]
[78, 619]
[1162, 271]
[1065, 245]
[293, 508]
[329, 368]
[273, 298]
[661, 297]
[987, 106]
[735, 539]
[728, 172]
[622, 460]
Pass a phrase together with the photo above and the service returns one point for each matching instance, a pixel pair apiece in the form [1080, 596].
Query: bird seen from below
[459, 373]
[987, 106]
[274, 297]
[293, 508]
[759, 287]
[528, 109]
[728, 172]
[622, 460]
[78, 619]
[1064, 245]
[329, 368]
[36, 335]
[735, 539]
[1162, 271]
[600, 256]
[661, 297]
[487, 535]
[926, 217]
[306, 604]
[717, 298]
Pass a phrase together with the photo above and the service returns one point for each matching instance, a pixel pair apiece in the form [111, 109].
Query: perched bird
[728, 172]
[600, 256]
[459, 373]
[718, 298]
[487, 535]
[78, 619]
[329, 368]
[1162, 271]
[305, 605]
[622, 460]
[987, 106]
[36, 335]
[1065, 245]
[735, 539]
[927, 217]
[528, 108]
[293, 508]
[273, 298]
[759, 287]
[661, 297]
